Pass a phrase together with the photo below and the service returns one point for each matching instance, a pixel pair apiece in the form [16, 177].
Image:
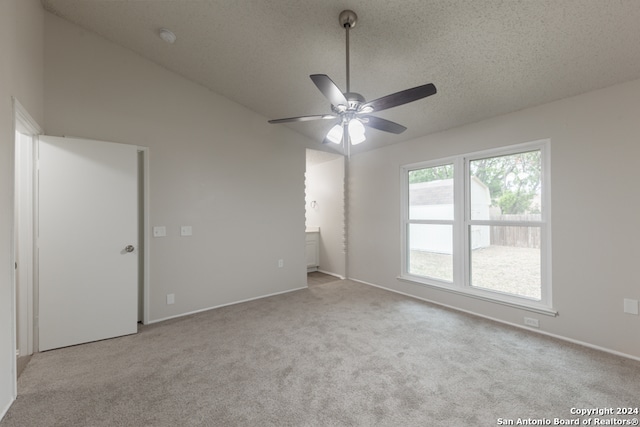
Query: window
[478, 224]
[431, 216]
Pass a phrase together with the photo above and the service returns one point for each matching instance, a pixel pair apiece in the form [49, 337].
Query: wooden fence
[522, 237]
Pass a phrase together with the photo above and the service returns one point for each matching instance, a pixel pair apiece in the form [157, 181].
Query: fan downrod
[348, 18]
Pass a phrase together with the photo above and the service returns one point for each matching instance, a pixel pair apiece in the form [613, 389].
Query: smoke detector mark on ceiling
[167, 35]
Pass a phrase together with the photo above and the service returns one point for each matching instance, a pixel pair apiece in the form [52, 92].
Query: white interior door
[87, 208]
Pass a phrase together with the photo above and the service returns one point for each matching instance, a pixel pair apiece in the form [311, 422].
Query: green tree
[431, 174]
[513, 180]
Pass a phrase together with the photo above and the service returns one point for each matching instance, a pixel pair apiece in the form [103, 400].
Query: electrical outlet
[280, 263]
[530, 321]
[171, 298]
[631, 306]
[186, 230]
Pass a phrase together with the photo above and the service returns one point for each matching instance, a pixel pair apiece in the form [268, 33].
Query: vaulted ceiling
[486, 57]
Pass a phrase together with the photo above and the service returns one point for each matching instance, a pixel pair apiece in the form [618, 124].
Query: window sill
[484, 296]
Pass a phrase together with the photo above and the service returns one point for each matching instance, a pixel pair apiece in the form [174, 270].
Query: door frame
[145, 244]
[24, 240]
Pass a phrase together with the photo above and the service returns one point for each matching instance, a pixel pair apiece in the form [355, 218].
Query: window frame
[462, 223]
[406, 216]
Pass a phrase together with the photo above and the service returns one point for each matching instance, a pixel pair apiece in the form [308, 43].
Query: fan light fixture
[355, 132]
[351, 109]
[335, 134]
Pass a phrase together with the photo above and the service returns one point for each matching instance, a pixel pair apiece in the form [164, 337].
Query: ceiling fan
[350, 109]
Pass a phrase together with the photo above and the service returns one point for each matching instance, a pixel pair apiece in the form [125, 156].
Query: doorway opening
[325, 214]
[26, 278]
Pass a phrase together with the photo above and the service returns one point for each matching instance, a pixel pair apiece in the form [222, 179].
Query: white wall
[237, 180]
[594, 166]
[325, 186]
[21, 40]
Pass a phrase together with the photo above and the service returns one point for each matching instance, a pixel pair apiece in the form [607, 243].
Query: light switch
[186, 230]
[160, 231]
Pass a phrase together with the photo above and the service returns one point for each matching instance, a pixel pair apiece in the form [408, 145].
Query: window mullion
[502, 223]
[459, 235]
[431, 221]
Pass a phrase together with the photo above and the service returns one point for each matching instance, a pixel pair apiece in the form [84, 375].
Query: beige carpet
[318, 278]
[336, 354]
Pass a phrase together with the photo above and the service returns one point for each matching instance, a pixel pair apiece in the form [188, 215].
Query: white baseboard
[222, 305]
[560, 337]
[6, 408]
[332, 274]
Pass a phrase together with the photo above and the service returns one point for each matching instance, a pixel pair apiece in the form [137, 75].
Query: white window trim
[462, 221]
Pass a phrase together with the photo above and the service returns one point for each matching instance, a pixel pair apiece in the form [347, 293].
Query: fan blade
[304, 118]
[402, 97]
[329, 89]
[383, 124]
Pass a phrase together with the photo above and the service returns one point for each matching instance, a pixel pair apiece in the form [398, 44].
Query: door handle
[129, 248]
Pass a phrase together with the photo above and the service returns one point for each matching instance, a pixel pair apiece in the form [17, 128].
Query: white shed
[433, 200]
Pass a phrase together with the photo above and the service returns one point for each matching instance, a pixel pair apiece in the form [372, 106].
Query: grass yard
[507, 269]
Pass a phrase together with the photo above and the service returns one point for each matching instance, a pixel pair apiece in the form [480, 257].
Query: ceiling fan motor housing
[355, 100]
[349, 111]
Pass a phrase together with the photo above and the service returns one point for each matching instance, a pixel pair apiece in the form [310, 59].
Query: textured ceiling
[486, 57]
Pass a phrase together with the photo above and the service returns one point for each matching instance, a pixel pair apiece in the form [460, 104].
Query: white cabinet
[313, 250]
